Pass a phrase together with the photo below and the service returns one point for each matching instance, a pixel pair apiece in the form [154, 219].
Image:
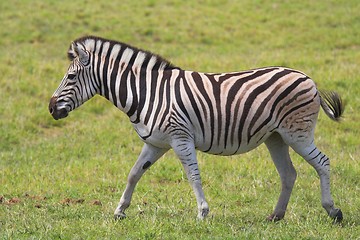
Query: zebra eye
[71, 76]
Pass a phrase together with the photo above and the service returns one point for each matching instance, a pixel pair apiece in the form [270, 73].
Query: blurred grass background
[53, 172]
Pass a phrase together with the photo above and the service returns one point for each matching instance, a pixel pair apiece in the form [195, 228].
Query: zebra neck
[133, 90]
[124, 72]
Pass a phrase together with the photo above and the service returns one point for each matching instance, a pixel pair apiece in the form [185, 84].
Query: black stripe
[98, 68]
[93, 68]
[234, 90]
[157, 65]
[325, 161]
[161, 93]
[260, 110]
[86, 83]
[251, 98]
[92, 81]
[312, 151]
[179, 116]
[321, 158]
[80, 87]
[204, 92]
[194, 106]
[135, 100]
[114, 75]
[217, 95]
[177, 126]
[123, 85]
[153, 93]
[315, 156]
[142, 91]
[293, 99]
[227, 76]
[178, 94]
[105, 69]
[166, 79]
[295, 108]
[262, 106]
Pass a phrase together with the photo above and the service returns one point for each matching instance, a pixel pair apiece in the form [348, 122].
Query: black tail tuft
[332, 104]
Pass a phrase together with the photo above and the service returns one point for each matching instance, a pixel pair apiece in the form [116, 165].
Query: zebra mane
[160, 61]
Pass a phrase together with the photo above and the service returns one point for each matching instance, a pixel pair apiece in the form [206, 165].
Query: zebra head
[77, 86]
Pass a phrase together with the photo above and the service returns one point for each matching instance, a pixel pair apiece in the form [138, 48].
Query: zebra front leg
[148, 156]
[279, 152]
[321, 163]
[185, 150]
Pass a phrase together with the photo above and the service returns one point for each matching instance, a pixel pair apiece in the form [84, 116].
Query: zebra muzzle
[55, 111]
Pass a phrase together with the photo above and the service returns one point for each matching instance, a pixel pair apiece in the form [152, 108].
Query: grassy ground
[62, 179]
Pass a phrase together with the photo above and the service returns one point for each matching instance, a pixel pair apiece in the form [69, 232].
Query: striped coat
[224, 114]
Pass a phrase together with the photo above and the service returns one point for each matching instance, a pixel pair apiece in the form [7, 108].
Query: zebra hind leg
[279, 152]
[321, 163]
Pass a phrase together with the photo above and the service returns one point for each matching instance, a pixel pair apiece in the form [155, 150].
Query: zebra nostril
[52, 105]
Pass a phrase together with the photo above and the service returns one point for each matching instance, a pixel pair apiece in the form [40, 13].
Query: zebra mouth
[56, 112]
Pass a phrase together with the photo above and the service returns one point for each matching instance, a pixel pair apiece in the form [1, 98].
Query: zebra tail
[332, 104]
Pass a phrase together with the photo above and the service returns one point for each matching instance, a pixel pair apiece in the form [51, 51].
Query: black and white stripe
[225, 113]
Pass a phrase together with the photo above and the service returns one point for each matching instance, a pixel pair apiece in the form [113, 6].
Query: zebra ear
[78, 50]
[71, 52]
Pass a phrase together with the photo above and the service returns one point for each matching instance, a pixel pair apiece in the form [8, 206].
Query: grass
[62, 179]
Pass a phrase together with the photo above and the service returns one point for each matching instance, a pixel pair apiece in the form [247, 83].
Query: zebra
[216, 113]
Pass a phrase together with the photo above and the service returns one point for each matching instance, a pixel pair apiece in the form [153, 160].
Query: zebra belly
[226, 149]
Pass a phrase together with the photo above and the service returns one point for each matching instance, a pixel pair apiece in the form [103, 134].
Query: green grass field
[63, 179]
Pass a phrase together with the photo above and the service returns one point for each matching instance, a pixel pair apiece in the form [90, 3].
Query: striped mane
[90, 41]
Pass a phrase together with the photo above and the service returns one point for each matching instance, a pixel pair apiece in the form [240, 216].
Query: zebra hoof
[274, 218]
[337, 215]
[202, 215]
[119, 216]
[203, 211]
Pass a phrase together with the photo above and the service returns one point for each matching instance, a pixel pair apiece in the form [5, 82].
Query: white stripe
[96, 59]
[114, 53]
[139, 60]
[126, 56]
